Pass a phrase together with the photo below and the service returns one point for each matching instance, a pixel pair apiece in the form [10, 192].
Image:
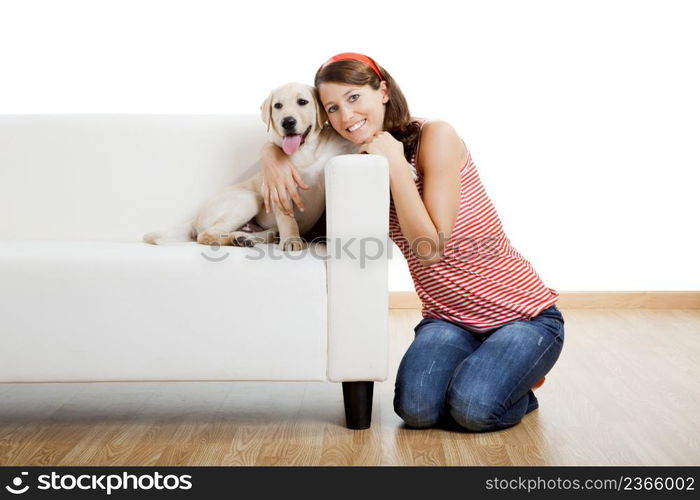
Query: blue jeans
[480, 382]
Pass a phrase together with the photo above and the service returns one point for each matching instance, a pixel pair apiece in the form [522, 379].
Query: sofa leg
[358, 404]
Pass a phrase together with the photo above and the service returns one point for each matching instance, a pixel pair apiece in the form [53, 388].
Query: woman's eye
[278, 105]
[302, 102]
[351, 99]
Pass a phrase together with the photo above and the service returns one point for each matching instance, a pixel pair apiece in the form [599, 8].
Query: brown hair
[397, 119]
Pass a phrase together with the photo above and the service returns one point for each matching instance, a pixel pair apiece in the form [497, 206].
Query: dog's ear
[266, 111]
[321, 115]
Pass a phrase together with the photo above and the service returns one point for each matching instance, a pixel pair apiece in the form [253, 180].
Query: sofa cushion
[110, 311]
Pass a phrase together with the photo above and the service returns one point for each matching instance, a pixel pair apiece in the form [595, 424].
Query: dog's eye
[278, 105]
[302, 102]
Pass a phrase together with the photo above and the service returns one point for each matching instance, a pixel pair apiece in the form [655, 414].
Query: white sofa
[82, 298]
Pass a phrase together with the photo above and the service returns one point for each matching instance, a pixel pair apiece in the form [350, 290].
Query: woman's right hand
[280, 180]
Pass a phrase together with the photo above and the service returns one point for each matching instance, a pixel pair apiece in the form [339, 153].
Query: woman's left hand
[383, 143]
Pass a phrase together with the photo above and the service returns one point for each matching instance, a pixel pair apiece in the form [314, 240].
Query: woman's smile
[357, 126]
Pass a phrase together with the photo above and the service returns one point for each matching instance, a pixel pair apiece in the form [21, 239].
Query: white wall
[582, 117]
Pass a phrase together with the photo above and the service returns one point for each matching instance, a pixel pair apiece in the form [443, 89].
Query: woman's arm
[280, 177]
[427, 223]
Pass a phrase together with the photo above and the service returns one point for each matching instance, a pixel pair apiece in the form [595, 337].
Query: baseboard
[589, 300]
[404, 300]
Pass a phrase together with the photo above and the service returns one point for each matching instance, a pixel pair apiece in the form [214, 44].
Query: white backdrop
[582, 117]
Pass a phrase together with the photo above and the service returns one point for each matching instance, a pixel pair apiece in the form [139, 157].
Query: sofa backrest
[116, 177]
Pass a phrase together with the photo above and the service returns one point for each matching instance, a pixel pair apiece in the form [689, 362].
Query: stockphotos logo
[16, 487]
[105, 483]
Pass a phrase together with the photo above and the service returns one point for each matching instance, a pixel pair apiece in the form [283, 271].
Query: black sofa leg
[358, 404]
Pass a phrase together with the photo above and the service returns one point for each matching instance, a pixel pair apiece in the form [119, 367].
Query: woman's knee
[426, 368]
[416, 408]
[476, 414]
[417, 416]
[472, 418]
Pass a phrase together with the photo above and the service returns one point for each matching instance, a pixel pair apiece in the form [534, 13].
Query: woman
[490, 330]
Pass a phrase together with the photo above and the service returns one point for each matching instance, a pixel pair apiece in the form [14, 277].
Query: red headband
[352, 56]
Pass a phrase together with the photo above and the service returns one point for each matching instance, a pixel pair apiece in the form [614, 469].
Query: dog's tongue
[291, 143]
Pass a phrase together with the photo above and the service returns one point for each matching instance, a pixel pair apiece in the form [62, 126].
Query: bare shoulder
[440, 143]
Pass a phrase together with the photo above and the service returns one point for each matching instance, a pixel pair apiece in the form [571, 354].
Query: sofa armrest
[357, 218]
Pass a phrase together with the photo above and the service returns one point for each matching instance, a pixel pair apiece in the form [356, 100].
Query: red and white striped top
[481, 282]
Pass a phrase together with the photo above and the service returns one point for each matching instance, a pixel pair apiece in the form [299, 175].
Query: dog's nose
[289, 123]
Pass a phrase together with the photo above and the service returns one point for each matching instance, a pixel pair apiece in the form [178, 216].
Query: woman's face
[356, 112]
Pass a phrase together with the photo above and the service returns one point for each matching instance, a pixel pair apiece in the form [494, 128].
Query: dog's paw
[244, 239]
[293, 243]
[151, 238]
[212, 238]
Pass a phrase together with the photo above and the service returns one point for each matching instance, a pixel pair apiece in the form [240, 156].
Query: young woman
[490, 330]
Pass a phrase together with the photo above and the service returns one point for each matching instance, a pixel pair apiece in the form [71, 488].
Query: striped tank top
[481, 282]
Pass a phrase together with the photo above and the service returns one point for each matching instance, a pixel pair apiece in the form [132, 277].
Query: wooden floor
[625, 391]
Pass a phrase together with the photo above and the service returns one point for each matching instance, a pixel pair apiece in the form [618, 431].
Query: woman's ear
[266, 111]
[385, 91]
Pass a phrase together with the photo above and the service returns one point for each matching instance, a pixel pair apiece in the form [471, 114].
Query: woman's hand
[383, 143]
[280, 177]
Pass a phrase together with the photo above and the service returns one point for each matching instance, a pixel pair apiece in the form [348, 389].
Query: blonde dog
[295, 122]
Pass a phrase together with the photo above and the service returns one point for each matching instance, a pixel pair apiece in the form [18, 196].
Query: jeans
[482, 382]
